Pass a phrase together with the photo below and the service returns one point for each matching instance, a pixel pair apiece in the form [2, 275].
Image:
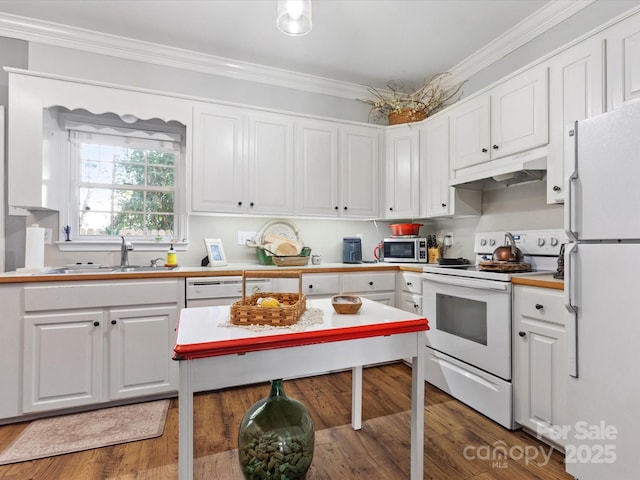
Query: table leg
[185, 425]
[417, 411]
[356, 397]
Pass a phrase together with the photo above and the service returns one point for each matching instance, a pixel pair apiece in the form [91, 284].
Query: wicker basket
[405, 116]
[248, 312]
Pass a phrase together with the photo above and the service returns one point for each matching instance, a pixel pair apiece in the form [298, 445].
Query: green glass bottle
[276, 438]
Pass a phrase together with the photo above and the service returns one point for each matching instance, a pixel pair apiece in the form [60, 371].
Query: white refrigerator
[602, 296]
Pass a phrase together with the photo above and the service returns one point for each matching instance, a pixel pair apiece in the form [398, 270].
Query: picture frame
[215, 252]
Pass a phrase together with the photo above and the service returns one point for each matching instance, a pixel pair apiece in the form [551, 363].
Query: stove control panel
[531, 242]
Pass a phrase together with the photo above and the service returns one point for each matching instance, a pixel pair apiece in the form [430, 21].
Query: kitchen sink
[73, 270]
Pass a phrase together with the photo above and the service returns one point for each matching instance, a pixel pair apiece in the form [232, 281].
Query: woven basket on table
[292, 305]
[405, 116]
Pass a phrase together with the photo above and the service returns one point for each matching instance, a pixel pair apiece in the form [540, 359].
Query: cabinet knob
[416, 306]
[522, 334]
[443, 205]
[251, 204]
[409, 284]
[556, 188]
[391, 209]
[96, 324]
[495, 147]
[113, 322]
[335, 208]
[371, 283]
[539, 306]
[484, 150]
[310, 287]
[345, 208]
[239, 204]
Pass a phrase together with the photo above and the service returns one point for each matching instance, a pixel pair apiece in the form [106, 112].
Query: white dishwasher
[211, 291]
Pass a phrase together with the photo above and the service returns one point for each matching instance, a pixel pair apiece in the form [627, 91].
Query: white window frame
[69, 214]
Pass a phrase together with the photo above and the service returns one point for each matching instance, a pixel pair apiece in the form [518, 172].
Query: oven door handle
[467, 282]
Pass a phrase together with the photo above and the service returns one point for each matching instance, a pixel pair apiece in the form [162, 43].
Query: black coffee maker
[352, 250]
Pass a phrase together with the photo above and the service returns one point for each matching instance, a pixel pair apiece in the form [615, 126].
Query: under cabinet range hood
[524, 167]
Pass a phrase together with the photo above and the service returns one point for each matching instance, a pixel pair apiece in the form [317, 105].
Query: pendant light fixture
[294, 17]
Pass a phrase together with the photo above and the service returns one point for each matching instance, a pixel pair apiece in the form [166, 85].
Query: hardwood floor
[460, 444]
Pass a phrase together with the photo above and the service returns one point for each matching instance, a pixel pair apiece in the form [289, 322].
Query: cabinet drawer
[69, 295]
[368, 282]
[410, 282]
[312, 284]
[541, 304]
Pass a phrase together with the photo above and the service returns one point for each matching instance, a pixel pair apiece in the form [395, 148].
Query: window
[124, 182]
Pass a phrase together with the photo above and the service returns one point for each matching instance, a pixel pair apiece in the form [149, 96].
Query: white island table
[214, 357]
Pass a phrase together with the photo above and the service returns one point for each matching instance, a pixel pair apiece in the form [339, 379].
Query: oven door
[470, 320]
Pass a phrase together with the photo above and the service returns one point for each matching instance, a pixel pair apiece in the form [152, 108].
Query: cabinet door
[218, 169]
[540, 362]
[140, 343]
[623, 62]
[317, 168]
[519, 113]
[470, 137]
[575, 93]
[270, 164]
[403, 173]
[359, 161]
[434, 152]
[410, 303]
[62, 360]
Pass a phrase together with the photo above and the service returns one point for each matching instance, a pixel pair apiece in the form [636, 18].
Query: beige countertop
[227, 270]
[545, 281]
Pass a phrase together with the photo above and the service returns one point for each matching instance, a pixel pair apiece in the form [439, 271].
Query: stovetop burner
[540, 248]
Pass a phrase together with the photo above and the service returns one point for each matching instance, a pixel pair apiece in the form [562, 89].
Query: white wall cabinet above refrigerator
[576, 92]
[512, 117]
[623, 62]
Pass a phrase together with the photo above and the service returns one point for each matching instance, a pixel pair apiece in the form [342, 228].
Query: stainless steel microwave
[404, 250]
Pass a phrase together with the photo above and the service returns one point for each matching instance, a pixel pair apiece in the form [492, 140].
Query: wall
[516, 207]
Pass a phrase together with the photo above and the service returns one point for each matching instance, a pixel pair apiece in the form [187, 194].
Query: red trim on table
[271, 342]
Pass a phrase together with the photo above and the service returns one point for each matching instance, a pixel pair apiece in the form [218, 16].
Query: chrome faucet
[124, 252]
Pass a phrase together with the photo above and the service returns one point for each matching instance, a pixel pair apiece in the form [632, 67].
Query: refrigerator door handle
[571, 165]
[572, 309]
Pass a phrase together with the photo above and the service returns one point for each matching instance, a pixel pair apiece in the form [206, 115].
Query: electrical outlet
[48, 234]
[448, 239]
[244, 236]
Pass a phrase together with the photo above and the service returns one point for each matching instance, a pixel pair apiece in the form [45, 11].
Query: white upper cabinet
[218, 168]
[623, 62]
[359, 179]
[270, 173]
[438, 199]
[512, 117]
[242, 161]
[337, 169]
[576, 92]
[317, 170]
[402, 172]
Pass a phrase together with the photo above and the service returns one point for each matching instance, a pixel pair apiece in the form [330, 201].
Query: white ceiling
[357, 41]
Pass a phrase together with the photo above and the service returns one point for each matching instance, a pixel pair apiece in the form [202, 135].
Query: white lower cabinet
[540, 362]
[410, 292]
[113, 340]
[378, 286]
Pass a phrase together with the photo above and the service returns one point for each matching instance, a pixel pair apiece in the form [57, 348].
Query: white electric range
[469, 313]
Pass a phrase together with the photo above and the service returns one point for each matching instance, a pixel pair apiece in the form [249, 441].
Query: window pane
[128, 201]
[160, 202]
[129, 223]
[127, 174]
[159, 222]
[161, 158]
[95, 199]
[95, 223]
[160, 176]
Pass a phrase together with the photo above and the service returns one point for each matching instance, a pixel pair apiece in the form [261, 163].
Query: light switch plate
[244, 236]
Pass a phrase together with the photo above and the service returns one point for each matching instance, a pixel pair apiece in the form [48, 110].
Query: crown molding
[33, 30]
[534, 25]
